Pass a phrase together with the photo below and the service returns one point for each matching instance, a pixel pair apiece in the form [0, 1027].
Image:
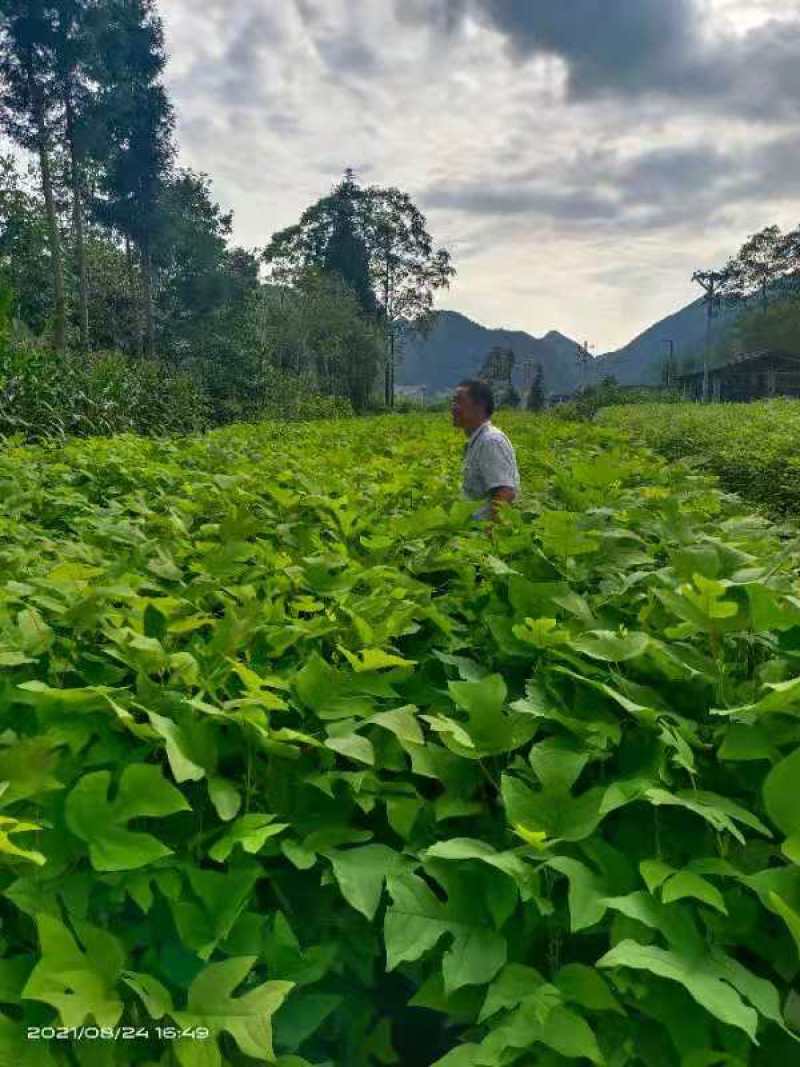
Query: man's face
[466, 413]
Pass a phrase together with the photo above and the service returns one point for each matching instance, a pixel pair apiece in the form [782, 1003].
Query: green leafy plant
[751, 448]
[300, 767]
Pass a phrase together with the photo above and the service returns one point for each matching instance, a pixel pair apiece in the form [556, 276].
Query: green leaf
[570, 1035]
[211, 1004]
[587, 896]
[154, 996]
[687, 884]
[302, 1016]
[655, 873]
[417, 920]
[373, 659]
[220, 898]
[329, 692]
[708, 597]
[250, 831]
[461, 1056]
[8, 848]
[78, 981]
[789, 916]
[584, 986]
[14, 972]
[609, 647]
[35, 635]
[716, 996]
[225, 798]
[781, 794]
[402, 722]
[361, 873]
[558, 763]
[464, 848]
[515, 984]
[488, 729]
[719, 812]
[743, 742]
[354, 747]
[143, 793]
[179, 750]
[553, 812]
[562, 534]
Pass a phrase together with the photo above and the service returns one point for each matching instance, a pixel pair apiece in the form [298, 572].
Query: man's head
[473, 404]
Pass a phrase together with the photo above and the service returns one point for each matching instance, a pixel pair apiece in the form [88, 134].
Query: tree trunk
[388, 310]
[133, 286]
[77, 217]
[149, 317]
[53, 236]
[391, 366]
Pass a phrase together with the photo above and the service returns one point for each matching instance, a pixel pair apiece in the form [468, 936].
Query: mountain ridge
[457, 345]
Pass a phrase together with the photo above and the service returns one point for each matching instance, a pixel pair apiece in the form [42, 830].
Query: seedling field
[298, 766]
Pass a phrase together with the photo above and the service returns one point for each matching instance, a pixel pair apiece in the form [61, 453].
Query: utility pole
[584, 358]
[711, 282]
[670, 360]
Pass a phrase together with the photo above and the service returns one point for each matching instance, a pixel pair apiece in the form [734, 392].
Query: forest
[117, 267]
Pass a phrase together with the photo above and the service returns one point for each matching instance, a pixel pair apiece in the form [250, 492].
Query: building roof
[743, 358]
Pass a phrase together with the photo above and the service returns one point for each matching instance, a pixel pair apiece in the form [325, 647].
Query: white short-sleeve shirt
[490, 462]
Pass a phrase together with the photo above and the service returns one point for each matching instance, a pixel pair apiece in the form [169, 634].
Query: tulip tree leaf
[143, 793]
[79, 981]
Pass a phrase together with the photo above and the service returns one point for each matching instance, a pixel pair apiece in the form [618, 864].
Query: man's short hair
[480, 392]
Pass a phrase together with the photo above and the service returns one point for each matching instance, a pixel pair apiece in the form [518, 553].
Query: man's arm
[499, 497]
[498, 470]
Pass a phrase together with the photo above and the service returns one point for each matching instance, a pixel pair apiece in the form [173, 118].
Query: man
[490, 463]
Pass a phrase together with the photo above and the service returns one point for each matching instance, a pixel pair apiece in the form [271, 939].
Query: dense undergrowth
[46, 396]
[752, 448]
[300, 765]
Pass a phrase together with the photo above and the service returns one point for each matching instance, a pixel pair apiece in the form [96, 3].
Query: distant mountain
[640, 362]
[457, 347]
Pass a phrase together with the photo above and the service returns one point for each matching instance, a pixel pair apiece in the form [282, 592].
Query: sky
[578, 158]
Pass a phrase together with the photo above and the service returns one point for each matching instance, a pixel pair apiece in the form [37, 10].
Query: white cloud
[275, 98]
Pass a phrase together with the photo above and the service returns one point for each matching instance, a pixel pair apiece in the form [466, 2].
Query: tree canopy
[377, 240]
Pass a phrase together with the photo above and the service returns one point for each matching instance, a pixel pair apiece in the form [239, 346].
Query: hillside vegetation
[752, 448]
[302, 768]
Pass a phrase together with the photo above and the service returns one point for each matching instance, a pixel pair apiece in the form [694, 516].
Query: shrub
[589, 401]
[751, 447]
[45, 395]
[269, 393]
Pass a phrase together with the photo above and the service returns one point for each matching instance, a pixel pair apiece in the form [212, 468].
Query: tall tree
[405, 266]
[498, 366]
[760, 263]
[24, 243]
[73, 46]
[346, 253]
[536, 398]
[201, 283]
[405, 270]
[29, 113]
[790, 256]
[498, 370]
[138, 122]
